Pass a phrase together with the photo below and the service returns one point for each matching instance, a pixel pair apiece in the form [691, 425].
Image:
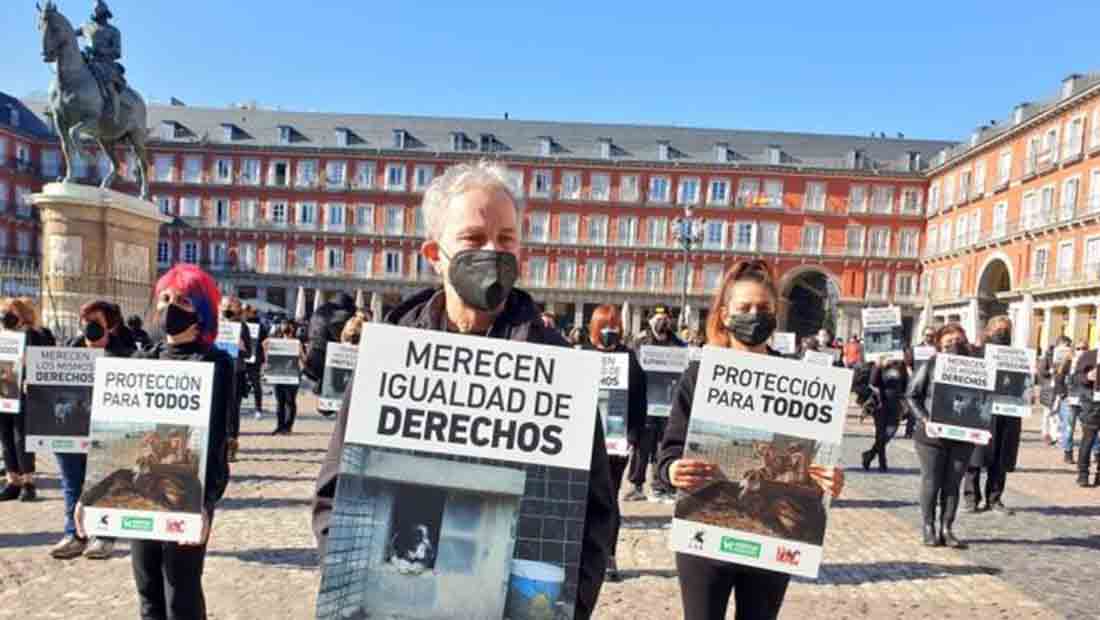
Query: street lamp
[688, 231]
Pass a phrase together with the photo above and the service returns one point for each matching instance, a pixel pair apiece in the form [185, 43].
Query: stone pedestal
[96, 244]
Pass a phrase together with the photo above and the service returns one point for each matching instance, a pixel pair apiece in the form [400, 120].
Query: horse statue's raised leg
[136, 138]
[109, 150]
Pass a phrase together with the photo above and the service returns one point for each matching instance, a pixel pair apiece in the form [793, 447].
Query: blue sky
[929, 69]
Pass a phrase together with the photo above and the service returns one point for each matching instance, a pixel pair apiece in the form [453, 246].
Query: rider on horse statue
[103, 54]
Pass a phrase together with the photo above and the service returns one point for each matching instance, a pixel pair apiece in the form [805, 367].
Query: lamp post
[688, 231]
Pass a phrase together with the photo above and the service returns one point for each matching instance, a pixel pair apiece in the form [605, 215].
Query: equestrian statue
[89, 95]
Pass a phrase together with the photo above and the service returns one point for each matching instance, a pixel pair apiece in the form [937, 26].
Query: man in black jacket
[1085, 383]
[474, 242]
[660, 334]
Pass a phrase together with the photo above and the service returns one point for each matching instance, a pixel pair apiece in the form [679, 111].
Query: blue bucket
[534, 589]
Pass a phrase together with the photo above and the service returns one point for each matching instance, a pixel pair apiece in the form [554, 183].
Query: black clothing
[324, 327]
[616, 468]
[518, 321]
[646, 451]
[286, 408]
[169, 580]
[1090, 411]
[141, 338]
[13, 428]
[891, 383]
[706, 585]
[648, 339]
[637, 400]
[240, 377]
[250, 381]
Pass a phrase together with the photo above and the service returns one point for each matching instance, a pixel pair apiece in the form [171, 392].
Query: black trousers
[13, 438]
[941, 471]
[618, 467]
[1089, 433]
[706, 585]
[169, 580]
[885, 429]
[646, 452]
[252, 372]
[995, 479]
[233, 407]
[286, 408]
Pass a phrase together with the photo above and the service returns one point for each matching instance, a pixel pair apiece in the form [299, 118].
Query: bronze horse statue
[79, 107]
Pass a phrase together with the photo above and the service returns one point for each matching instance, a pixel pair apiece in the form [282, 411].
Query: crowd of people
[474, 239]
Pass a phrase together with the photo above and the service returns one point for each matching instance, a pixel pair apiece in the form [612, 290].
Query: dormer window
[400, 138]
[340, 135]
[14, 117]
[286, 134]
[488, 143]
[663, 150]
[229, 132]
[775, 155]
[605, 148]
[458, 141]
[546, 146]
[168, 130]
[722, 152]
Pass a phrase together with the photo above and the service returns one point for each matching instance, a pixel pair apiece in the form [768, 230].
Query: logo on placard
[737, 546]
[697, 540]
[62, 444]
[954, 432]
[104, 523]
[791, 557]
[174, 526]
[137, 524]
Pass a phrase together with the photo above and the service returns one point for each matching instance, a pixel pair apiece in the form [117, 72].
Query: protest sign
[773, 427]
[254, 332]
[615, 401]
[457, 447]
[818, 358]
[11, 370]
[833, 353]
[921, 355]
[339, 366]
[147, 460]
[229, 338]
[1015, 369]
[59, 398]
[282, 366]
[784, 343]
[663, 367]
[962, 403]
[883, 336]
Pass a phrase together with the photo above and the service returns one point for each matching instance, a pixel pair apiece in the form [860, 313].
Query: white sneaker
[99, 549]
[259, 414]
[68, 548]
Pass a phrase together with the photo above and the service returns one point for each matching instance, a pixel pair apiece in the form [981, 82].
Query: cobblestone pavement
[261, 562]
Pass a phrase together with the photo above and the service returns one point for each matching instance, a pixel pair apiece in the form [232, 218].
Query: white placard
[615, 401]
[11, 370]
[882, 334]
[663, 367]
[817, 358]
[962, 391]
[282, 365]
[59, 398]
[923, 352]
[254, 332]
[229, 338]
[339, 366]
[1015, 369]
[784, 342]
[466, 395]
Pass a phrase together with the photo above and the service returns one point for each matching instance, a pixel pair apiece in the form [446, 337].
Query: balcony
[334, 227]
[1046, 160]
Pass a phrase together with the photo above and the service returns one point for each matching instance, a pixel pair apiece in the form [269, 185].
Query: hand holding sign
[690, 474]
[830, 479]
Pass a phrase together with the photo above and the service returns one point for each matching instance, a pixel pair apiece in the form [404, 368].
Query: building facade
[274, 201]
[27, 157]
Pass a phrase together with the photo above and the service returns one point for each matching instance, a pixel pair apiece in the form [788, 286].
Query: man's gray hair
[461, 178]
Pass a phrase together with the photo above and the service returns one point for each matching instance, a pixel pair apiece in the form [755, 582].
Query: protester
[660, 334]
[942, 461]
[742, 317]
[101, 328]
[141, 337]
[18, 315]
[548, 321]
[231, 312]
[168, 575]
[473, 242]
[1068, 410]
[576, 338]
[853, 352]
[252, 368]
[353, 330]
[889, 380]
[286, 395]
[325, 326]
[605, 332]
[809, 343]
[1085, 380]
[1048, 390]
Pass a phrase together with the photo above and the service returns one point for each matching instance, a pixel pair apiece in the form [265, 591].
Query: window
[190, 206]
[678, 276]
[956, 280]
[1094, 134]
[23, 242]
[949, 192]
[975, 225]
[334, 258]
[1004, 167]
[163, 168]
[250, 172]
[712, 277]
[812, 238]
[336, 174]
[909, 242]
[51, 164]
[277, 213]
[627, 230]
[1092, 259]
[714, 235]
[658, 189]
[395, 220]
[656, 232]
[945, 236]
[278, 173]
[624, 275]
[422, 177]
[393, 260]
[1039, 265]
[304, 259]
[1031, 156]
[246, 256]
[1000, 220]
[334, 217]
[275, 258]
[1046, 206]
[964, 186]
[1049, 153]
[597, 229]
[536, 270]
[221, 211]
[1074, 138]
[307, 173]
[567, 272]
[192, 169]
[934, 198]
[814, 199]
[164, 203]
[768, 237]
[601, 187]
[219, 255]
[1069, 197]
[395, 177]
[538, 227]
[190, 252]
[568, 228]
[307, 215]
[905, 285]
[364, 175]
[1030, 209]
[654, 276]
[719, 192]
[1094, 191]
[876, 284]
[744, 236]
[595, 274]
[910, 201]
[364, 261]
[747, 192]
[420, 227]
[979, 179]
[1066, 262]
[164, 252]
[250, 212]
[882, 199]
[364, 218]
[223, 170]
[773, 191]
[879, 241]
[571, 186]
[541, 183]
[515, 181]
[689, 191]
[962, 226]
[628, 188]
[853, 240]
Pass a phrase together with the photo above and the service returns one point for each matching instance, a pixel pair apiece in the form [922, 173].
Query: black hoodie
[518, 321]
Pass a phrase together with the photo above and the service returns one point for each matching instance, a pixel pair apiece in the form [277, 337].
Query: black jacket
[1090, 409]
[891, 383]
[257, 345]
[217, 464]
[637, 399]
[919, 399]
[518, 321]
[648, 339]
[1003, 448]
[116, 347]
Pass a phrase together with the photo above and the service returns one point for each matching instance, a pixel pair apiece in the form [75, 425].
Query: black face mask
[1003, 338]
[10, 320]
[229, 314]
[483, 279]
[958, 348]
[609, 338]
[94, 331]
[751, 329]
[176, 320]
[354, 340]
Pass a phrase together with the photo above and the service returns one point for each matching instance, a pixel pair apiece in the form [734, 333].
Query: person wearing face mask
[252, 368]
[742, 317]
[168, 575]
[101, 328]
[141, 337]
[1086, 380]
[998, 457]
[942, 461]
[286, 395]
[660, 334]
[889, 380]
[473, 242]
[18, 315]
[605, 333]
[231, 311]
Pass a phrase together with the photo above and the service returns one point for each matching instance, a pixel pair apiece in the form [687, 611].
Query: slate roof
[30, 123]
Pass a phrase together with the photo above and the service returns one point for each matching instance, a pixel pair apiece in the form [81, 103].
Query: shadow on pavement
[642, 522]
[1085, 542]
[266, 478]
[17, 539]
[1063, 511]
[244, 503]
[635, 573]
[881, 504]
[287, 557]
[851, 574]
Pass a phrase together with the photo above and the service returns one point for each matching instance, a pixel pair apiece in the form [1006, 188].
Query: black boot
[1082, 481]
[868, 456]
[1068, 457]
[948, 538]
[930, 539]
[12, 491]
